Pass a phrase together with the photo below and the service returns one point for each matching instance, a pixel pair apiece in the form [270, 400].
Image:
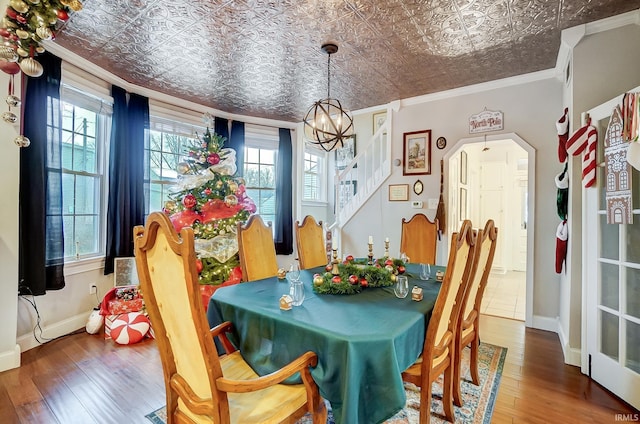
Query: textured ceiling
[263, 58]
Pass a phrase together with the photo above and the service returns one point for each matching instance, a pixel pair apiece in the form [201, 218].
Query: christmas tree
[212, 200]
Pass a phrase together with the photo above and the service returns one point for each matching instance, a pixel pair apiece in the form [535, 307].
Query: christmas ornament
[213, 159]
[62, 15]
[7, 53]
[10, 68]
[231, 200]
[31, 67]
[9, 117]
[13, 101]
[35, 1]
[19, 6]
[182, 168]
[44, 32]
[282, 274]
[170, 205]
[74, 5]
[189, 201]
[22, 52]
[199, 266]
[233, 186]
[317, 279]
[22, 34]
[22, 141]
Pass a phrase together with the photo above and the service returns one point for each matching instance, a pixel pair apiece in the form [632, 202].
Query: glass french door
[612, 306]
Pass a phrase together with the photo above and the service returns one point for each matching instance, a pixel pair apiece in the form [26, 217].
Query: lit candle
[387, 240]
[370, 239]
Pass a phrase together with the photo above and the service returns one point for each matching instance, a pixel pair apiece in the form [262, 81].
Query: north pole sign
[487, 120]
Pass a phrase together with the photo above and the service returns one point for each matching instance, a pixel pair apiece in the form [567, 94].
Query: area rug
[478, 400]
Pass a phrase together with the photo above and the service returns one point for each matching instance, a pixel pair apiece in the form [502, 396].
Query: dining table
[363, 341]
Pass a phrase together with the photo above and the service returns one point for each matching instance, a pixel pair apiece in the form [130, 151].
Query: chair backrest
[166, 265]
[310, 242]
[419, 239]
[257, 250]
[447, 307]
[485, 251]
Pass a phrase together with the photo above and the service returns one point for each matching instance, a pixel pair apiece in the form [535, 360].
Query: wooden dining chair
[468, 328]
[419, 239]
[201, 386]
[310, 243]
[438, 353]
[257, 250]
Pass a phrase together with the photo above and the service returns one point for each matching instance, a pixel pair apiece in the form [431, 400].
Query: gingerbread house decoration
[617, 173]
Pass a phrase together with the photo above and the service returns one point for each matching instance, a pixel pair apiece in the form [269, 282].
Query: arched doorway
[492, 177]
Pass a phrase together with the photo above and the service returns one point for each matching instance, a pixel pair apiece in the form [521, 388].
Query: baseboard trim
[10, 359]
[545, 323]
[572, 356]
[69, 325]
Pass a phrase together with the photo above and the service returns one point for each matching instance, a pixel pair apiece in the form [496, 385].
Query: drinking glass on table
[296, 291]
[294, 273]
[401, 288]
[425, 271]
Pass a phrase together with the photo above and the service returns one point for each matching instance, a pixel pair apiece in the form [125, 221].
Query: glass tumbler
[296, 291]
[401, 288]
[425, 271]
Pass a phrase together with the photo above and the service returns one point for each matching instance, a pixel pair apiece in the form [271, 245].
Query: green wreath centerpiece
[355, 275]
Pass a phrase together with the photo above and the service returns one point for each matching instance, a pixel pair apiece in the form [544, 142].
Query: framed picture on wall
[346, 153]
[378, 120]
[416, 153]
[398, 192]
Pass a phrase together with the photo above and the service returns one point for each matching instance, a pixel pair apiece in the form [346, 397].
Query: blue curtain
[221, 127]
[126, 207]
[41, 250]
[236, 142]
[284, 208]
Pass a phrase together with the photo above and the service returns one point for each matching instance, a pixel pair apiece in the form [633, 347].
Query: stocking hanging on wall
[584, 141]
[563, 135]
[617, 173]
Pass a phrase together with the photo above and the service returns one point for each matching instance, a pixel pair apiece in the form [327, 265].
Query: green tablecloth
[363, 341]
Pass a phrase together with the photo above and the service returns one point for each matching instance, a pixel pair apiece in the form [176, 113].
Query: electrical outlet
[93, 289]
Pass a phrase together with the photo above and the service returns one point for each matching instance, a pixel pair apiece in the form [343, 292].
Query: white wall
[10, 177]
[530, 110]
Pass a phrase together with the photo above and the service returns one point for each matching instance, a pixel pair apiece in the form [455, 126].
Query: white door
[611, 269]
[492, 198]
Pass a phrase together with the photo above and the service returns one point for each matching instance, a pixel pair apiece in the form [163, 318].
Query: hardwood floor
[83, 379]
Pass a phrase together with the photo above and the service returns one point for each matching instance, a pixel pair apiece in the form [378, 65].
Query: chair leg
[320, 413]
[425, 403]
[457, 393]
[447, 392]
[473, 360]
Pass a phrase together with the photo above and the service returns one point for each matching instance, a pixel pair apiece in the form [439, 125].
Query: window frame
[78, 98]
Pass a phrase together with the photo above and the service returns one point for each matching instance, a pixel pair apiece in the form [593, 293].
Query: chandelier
[327, 123]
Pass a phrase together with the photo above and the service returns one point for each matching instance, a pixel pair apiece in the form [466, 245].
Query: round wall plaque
[441, 142]
[418, 187]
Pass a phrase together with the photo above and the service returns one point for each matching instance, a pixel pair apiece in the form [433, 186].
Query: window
[164, 154]
[84, 130]
[313, 176]
[260, 179]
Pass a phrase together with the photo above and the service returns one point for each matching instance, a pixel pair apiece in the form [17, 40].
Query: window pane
[252, 175]
[267, 157]
[267, 176]
[633, 292]
[68, 193]
[609, 335]
[155, 140]
[633, 240]
[609, 239]
[633, 346]
[252, 155]
[609, 286]
[86, 229]
[86, 188]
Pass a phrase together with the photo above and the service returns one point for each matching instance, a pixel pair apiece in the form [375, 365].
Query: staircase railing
[362, 177]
